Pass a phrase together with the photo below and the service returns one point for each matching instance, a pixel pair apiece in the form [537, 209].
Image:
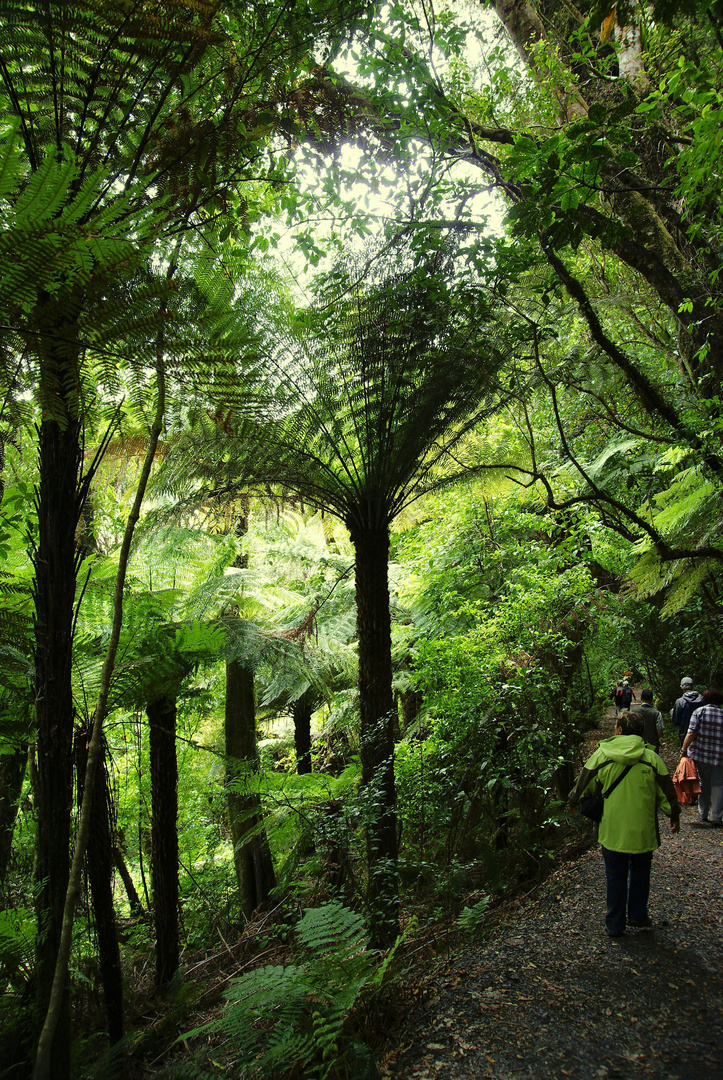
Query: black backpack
[626, 696]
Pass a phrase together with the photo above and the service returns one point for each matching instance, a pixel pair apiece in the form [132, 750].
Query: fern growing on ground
[297, 1016]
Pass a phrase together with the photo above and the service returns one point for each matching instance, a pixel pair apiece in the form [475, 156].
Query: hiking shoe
[641, 924]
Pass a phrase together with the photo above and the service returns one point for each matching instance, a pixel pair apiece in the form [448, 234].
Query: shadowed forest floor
[549, 995]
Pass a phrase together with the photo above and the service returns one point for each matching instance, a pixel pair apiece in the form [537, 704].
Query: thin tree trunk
[301, 711]
[12, 774]
[100, 876]
[134, 900]
[376, 703]
[164, 857]
[251, 852]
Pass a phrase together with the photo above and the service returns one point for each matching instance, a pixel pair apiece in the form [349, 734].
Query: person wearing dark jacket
[629, 831]
[653, 722]
[627, 695]
[685, 706]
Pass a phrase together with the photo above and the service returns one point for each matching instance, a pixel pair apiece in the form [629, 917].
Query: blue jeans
[628, 887]
[710, 800]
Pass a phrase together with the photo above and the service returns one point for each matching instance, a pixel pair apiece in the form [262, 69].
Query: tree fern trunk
[164, 856]
[54, 594]
[301, 711]
[376, 703]
[251, 852]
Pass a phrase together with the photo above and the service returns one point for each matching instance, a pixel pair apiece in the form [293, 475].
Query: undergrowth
[300, 1017]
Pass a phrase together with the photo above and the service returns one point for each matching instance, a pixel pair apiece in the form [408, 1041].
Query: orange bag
[685, 781]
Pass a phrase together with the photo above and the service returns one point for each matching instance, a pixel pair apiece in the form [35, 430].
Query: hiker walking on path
[653, 722]
[538, 995]
[685, 706]
[624, 697]
[616, 695]
[704, 743]
[636, 784]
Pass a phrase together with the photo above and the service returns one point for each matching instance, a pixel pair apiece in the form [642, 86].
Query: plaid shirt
[707, 726]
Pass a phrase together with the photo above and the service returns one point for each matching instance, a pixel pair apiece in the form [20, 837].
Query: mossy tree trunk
[252, 854]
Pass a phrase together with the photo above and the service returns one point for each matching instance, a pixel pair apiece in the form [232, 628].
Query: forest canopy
[361, 384]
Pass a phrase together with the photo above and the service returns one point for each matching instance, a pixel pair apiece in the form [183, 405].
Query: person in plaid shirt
[704, 743]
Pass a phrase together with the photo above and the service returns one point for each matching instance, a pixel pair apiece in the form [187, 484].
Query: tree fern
[370, 395]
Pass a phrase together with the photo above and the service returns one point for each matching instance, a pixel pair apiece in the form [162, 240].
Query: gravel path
[551, 996]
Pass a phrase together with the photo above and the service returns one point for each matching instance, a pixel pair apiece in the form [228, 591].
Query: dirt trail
[551, 996]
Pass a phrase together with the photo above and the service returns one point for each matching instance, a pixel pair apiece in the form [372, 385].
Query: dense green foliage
[500, 408]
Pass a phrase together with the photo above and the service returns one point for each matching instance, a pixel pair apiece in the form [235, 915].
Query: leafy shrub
[500, 671]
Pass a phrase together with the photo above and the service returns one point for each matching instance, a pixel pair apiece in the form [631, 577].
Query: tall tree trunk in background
[526, 29]
[99, 861]
[12, 774]
[301, 711]
[54, 559]
[251, 851]
[164, 831]
[630, 52]
[376, 703]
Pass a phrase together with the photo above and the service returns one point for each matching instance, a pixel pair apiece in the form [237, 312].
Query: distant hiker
[623, 695]
[653, 722]
[704, 744]
[628, 832]
[614, 692]
[627, 695]
[685, 706]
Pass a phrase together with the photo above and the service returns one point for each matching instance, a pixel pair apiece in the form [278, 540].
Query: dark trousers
[628, 887]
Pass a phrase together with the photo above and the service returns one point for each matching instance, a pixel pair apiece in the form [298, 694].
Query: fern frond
[295, 1016]
[333, 928]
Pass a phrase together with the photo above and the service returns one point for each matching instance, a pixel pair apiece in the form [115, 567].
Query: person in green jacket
[628, 832]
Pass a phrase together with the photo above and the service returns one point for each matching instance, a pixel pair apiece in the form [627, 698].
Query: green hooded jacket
[630, 818]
